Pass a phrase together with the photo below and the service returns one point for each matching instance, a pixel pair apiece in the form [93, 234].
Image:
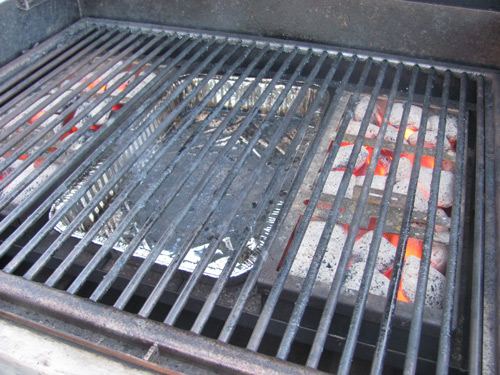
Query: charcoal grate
[175, 175]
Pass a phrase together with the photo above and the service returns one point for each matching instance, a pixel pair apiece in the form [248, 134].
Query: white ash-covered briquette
[383, 164]
[451, 129]
[344, 154]
[404, 169]
[435, 283]
[391, 134]
[372, 131]
[27, 191]
[68, 97]
[420, 203]
[354, 126]
[354, 275]
[94, 111]
[123, 85]
[413, 119]
[308, 246]
[440, 228]
[50, 121]
[333, 182]
[378, 182]
[439, 256]
[430, 140]
[446, 186]
[144, 82]
[385, 256]
[359, 112]
[16, 119]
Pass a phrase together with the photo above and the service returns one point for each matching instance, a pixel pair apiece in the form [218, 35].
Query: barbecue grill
[169, 192]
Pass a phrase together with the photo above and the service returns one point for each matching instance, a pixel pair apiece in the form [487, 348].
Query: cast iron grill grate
[159, 172]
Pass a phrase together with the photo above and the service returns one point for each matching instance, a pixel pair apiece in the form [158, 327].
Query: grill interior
[163, 172]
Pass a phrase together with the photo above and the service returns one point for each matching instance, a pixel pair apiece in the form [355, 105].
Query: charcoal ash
[420, 202]
[333, 182]
[431, 140]
[446, 186]
[354, 275]
[378, 182]
[344, 154]
[308, 247]
[435, 284]
[372, 131]
[361, 107]
[439, 256]
[439, 228]
[451, 129]
[385, 256]
[391, 134]
[404, 169]
[354, 126]
[414, 117]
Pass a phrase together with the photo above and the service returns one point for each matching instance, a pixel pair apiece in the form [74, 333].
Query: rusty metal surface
[440, 33]
[130, 360]
[193, 348]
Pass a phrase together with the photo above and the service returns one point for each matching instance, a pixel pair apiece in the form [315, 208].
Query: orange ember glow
[35, 117]
[427, 162]
[95, 83]
[122, 87]
[401, 295]
[73, 129]
[413, 247]
[383, 163]
[408, 133]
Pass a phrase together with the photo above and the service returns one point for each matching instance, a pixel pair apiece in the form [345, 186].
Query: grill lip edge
[111, 322]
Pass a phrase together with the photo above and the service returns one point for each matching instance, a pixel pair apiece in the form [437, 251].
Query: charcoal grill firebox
[184, 181]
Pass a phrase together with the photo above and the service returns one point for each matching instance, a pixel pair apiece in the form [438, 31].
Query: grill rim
[490, 75]
[141, 331]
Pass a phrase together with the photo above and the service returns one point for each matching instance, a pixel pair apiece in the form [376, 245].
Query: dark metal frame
[198, 349]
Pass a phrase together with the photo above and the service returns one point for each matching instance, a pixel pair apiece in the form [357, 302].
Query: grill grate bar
[43, 148]
[40, 72]
[358, 311]
[272, 189]
[78, 171]
[122, 170]
[214, 161]
[301, 303]
[237, 309]
[449, 304]
[215, 112]
[272, 300]
[176, 220]
[475, 346]
[93, 204]
[130, 139]
[96, 47]
[223, 227]
[114, 271]
[383, 338]
[89, 268]
[423, 274]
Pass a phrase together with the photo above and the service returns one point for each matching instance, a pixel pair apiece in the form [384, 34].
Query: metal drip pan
[123, 228]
